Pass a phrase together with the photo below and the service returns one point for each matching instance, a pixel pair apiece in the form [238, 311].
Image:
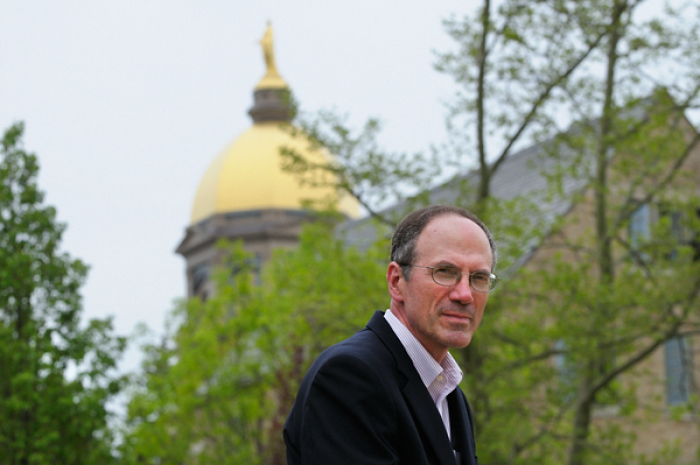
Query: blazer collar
[427, 418]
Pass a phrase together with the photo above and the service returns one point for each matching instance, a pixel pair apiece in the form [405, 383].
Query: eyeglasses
[449, 276]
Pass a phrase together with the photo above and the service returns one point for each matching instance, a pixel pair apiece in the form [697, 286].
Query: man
[389, 394]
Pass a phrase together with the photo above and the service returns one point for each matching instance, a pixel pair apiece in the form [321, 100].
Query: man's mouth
[457, 316]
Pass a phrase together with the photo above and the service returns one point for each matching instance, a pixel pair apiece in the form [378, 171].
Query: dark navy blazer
[363, 402]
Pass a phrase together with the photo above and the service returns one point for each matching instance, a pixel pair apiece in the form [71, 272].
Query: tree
[564, 336]
[219, 386]
[358, 166]
[588, 79]
[55, 376]
[513, 68]
[632, 147]
[563, 343]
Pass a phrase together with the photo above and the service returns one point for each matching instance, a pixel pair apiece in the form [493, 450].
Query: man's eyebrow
[444, 264]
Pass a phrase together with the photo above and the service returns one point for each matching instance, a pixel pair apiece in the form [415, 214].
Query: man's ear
[394, 279]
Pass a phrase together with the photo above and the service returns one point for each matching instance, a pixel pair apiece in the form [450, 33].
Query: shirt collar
[427, 367]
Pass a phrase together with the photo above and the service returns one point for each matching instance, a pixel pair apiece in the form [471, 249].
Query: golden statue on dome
[272, 78]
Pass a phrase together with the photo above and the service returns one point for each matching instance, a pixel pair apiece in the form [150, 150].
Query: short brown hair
[403, 242]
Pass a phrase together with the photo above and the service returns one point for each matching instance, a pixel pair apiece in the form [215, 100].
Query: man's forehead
[439, 228]
[449, 221]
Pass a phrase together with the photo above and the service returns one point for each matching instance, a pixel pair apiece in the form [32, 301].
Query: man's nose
[462, 291]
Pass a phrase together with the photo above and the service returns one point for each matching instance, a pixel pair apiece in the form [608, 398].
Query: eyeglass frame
[492, 277]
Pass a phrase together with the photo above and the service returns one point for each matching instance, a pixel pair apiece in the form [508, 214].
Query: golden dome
[248, 175]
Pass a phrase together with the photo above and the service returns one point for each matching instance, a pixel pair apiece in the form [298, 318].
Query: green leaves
[55, 376]
[219, 387]
[566, 337]
[352, 162]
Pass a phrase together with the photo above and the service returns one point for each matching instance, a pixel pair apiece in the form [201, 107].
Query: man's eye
[480, 278]
[446, 271]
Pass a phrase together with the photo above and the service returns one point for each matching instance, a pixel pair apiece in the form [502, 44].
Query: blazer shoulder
[363, 348]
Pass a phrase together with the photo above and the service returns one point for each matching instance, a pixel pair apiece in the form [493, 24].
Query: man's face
[442, 316]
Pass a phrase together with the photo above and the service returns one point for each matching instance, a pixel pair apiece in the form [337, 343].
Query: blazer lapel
[427, 418]
[462, 428]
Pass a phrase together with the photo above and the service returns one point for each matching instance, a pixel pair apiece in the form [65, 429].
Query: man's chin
[459, 341]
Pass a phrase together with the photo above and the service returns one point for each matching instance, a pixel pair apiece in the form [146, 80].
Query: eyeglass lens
[448, 276]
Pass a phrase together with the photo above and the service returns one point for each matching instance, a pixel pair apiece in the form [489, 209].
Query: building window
[252, 265]
[682, 230]
[257, 268]
[200, 277]
[679, 375]
[566, 371]
[640, 226]
[694, 237]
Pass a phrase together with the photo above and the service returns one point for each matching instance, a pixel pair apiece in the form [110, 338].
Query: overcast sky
[127, 102]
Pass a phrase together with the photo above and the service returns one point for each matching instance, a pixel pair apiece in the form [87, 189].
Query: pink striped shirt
[439, 378]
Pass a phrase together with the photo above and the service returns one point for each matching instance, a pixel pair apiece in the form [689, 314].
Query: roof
[524, 173]
[521, 174]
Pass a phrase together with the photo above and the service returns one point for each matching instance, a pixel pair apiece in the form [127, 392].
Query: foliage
[592, 303]
[556, 371]
[587, 80]
[359, 167]
[55, 376]
[220, 385]
[513, 68]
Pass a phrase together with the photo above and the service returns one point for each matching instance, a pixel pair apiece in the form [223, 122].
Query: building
[245, 195]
